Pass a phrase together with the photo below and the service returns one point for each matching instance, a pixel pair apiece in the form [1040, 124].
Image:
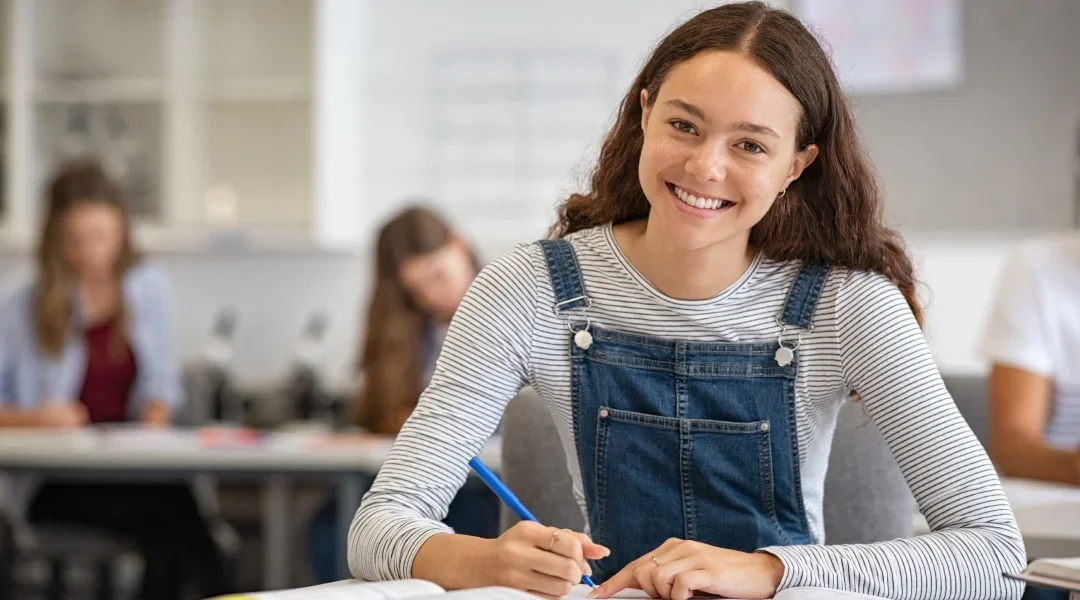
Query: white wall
[998, 151]
[408, 32]
[958, 278]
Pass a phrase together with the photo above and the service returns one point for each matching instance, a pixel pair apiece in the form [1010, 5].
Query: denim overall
[682, 439]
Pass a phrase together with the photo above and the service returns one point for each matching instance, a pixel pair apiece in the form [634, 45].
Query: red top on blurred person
[110, 373]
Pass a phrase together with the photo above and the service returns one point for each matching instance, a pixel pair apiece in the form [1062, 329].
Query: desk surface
[187, 450]
[1045, 510]
[1048, 515]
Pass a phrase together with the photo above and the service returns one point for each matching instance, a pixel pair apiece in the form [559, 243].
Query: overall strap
[565, 275]
[803, 296]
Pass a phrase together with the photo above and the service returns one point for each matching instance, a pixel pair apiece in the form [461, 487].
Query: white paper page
[582, 591]
[352, 590]
[810, 593]
[486, 593]
[1067, 569]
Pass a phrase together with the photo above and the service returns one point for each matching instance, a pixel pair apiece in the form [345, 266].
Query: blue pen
[492, 480]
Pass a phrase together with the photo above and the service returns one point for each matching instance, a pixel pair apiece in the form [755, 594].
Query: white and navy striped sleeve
[974, 539]
[483, 363]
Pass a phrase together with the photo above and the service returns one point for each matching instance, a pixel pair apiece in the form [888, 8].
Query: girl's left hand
[682, 567]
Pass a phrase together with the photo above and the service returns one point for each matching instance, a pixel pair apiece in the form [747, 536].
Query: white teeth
[692, 200]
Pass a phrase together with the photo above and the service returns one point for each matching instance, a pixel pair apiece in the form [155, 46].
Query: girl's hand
[541, 560]
[678, 568]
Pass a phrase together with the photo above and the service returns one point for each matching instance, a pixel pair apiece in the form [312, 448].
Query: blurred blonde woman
[88, 342]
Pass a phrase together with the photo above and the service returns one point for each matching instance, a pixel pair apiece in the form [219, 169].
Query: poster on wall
[889, 45]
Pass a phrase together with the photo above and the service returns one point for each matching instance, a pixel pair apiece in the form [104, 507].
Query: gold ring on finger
[554, 538]
[654, 561]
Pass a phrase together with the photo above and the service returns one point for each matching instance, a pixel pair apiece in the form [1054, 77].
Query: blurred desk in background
[1048, 515]
[276, 459]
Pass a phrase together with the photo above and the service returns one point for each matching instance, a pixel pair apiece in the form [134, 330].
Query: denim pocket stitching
[634, 362]
[674, 424]
[768, 484]
[601, 476]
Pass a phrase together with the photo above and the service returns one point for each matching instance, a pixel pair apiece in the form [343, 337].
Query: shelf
[178, 97]
[157, 239]
[107, 91]
[204, 240]
[265, 89]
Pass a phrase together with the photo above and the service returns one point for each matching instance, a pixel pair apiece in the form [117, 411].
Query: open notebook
[424, 590]
[1056, 573]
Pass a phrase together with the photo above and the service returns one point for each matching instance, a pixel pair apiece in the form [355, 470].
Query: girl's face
[437, 281]
[93, 238]
[719, 146]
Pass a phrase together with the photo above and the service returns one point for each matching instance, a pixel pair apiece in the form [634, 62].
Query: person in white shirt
[1033, 341]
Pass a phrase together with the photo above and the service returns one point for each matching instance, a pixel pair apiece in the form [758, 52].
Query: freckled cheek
[661, 157]
[757, 185]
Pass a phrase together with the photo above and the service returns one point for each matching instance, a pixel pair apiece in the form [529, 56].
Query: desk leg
[348, 500]
[275, 525]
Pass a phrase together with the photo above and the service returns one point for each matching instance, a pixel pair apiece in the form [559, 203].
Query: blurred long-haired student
[423, 268]
[90, 341]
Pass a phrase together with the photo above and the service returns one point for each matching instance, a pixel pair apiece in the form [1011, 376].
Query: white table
[134, 455]
[1048, 515]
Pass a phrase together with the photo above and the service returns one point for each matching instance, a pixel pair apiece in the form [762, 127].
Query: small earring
[781, 194]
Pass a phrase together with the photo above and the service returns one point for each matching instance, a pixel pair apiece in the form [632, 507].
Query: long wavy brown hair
[832, 214]
[75, 184]
[393, 353]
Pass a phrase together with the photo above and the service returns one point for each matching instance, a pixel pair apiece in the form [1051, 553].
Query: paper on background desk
[1023, 492]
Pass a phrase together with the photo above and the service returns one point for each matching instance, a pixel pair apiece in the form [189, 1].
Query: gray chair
[866, 497]
[534, 465]
[59, 547]
[972, 396]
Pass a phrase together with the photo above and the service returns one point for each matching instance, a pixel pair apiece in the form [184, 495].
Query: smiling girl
[701, 314]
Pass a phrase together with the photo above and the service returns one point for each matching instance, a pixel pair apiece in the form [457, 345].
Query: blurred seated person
[422, 271]
[88, 342]
[1033, 341]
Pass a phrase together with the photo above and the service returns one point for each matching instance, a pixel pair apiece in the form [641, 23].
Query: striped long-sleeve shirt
[506, 335]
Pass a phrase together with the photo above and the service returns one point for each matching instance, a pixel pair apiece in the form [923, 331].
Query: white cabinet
[214, 114]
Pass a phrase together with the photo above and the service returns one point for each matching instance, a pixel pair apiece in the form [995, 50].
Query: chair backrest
[534, 464]
[866, 497]
[972, 396]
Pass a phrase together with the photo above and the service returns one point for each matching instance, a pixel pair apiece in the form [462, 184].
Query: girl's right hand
[541, 560]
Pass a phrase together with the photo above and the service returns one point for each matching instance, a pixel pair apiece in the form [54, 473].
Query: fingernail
[607, 552]
[594, 593]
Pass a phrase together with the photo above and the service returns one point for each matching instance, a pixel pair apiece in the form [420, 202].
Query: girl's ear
[803, 158]
[645, 110]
